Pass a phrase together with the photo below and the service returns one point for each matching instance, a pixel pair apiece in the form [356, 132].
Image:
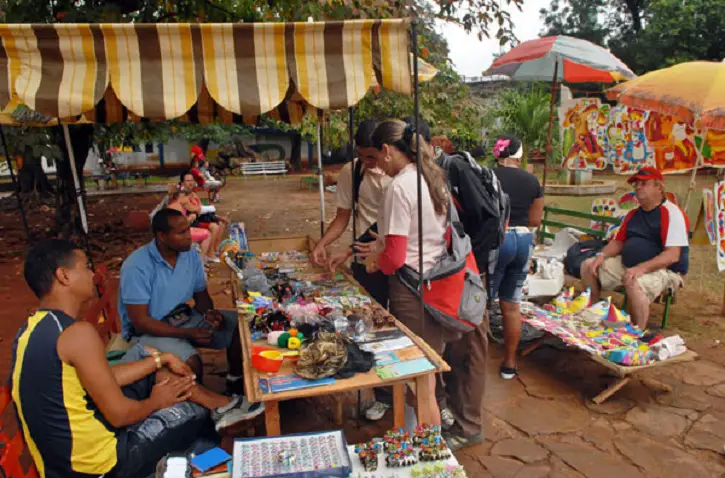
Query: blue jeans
[222, 339]
[178, 428]
[507, 281]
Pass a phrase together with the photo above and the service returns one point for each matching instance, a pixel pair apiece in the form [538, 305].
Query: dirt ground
[540, 425]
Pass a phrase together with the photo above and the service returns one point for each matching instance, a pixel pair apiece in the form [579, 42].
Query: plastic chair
[12, 446]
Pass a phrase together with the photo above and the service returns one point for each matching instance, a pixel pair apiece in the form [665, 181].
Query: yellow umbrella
[691, 91]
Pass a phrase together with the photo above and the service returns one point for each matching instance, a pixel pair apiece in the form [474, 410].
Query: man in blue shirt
[157, 281]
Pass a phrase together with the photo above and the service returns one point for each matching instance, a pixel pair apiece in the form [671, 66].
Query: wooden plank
[424, 396]
[623, 371]
[399, 406]
[271, 418]
[614, 388]
[582, 215]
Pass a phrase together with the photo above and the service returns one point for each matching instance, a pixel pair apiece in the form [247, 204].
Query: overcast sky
[471, 57]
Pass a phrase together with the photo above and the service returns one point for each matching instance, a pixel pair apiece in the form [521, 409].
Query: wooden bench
[667, 298]
[265, 168]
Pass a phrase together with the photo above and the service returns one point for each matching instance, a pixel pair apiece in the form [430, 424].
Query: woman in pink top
[397, 244]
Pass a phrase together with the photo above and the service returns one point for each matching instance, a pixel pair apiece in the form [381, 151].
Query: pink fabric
[199, 235]
[393, 256]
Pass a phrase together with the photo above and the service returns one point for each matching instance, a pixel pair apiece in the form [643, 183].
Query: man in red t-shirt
[649, 254]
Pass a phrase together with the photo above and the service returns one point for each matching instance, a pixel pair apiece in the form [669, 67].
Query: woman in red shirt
[398, 242]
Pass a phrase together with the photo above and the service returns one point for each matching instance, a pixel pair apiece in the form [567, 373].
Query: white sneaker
[447, 420]
[377, 411]
[238, 410]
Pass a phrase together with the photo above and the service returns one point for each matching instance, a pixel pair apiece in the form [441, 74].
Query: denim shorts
[512, 267]
[178, 428]
[184, 349]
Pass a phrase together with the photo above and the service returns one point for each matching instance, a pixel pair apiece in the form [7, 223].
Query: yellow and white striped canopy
[199, 72]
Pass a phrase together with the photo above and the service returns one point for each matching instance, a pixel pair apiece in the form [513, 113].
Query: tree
[523, 112]
[645, 34]
[484, 17]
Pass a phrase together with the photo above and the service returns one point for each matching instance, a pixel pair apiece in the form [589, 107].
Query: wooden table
[623, 373]
[420, 383]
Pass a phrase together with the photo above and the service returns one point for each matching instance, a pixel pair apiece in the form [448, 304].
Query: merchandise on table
[600, 329]
[403, 451]
[310, 455]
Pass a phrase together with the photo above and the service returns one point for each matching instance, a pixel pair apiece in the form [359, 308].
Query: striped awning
[199, 72]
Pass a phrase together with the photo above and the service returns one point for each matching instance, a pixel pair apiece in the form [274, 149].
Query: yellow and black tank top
[65, 432]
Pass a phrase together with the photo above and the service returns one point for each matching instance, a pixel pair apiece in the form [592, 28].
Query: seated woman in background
[203, 179]
[198, 235]
[191, 203]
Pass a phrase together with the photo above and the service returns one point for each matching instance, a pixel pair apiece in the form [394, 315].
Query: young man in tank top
[81, 417]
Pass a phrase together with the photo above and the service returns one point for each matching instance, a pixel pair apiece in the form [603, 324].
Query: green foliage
[645, 34]
[523, 112]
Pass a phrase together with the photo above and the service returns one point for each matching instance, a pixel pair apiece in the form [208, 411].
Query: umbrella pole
[320, 174]
[551, 118]
[16, 185]
[699, 162]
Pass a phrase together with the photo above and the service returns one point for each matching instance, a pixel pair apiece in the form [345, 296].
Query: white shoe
[377, 411]
[447, 420]
[238, 410]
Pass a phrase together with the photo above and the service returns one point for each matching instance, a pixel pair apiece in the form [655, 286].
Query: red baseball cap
[645, 174]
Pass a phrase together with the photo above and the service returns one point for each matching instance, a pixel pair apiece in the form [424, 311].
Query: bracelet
[157, 358]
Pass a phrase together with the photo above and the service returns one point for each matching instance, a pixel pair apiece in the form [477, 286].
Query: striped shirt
[65, 432]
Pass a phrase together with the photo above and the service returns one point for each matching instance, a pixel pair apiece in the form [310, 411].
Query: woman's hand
[371, 264]
[366, 249]
[337, 259]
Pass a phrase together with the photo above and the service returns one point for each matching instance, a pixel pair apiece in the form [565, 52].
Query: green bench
[560, 222]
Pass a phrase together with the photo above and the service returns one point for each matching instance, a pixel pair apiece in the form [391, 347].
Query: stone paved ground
[544, 424]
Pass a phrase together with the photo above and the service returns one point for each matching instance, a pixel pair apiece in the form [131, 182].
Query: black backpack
[578, 253]
[492, 199]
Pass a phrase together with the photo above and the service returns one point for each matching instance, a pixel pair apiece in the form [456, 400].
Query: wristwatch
[157, 358]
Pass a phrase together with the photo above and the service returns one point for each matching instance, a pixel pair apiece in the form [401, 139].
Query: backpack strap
[357, 176]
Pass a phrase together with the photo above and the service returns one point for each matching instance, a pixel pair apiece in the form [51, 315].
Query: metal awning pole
[351, 132]
[416, 114]
[320, 174]
[16, 185]
[76, 180]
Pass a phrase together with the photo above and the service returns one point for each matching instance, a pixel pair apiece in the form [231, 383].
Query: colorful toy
[581, 302]
[562, 300]
[616, 317]
[292, 339]
[368, 454]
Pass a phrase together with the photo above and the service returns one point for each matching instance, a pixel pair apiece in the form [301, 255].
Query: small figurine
[286, 459]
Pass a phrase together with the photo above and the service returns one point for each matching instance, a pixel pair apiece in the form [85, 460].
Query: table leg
[339, 412]
[534, 345]
[611, 390]
[271, 418]
[399, 406]
[423, 397]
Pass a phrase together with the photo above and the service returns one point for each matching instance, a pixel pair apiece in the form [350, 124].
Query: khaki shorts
[611, 275]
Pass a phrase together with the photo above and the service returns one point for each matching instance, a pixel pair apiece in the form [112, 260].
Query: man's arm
[144, 324]
[80, 347]
[128, 373]
[614, 248]
[203, 301]
[337, 227]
